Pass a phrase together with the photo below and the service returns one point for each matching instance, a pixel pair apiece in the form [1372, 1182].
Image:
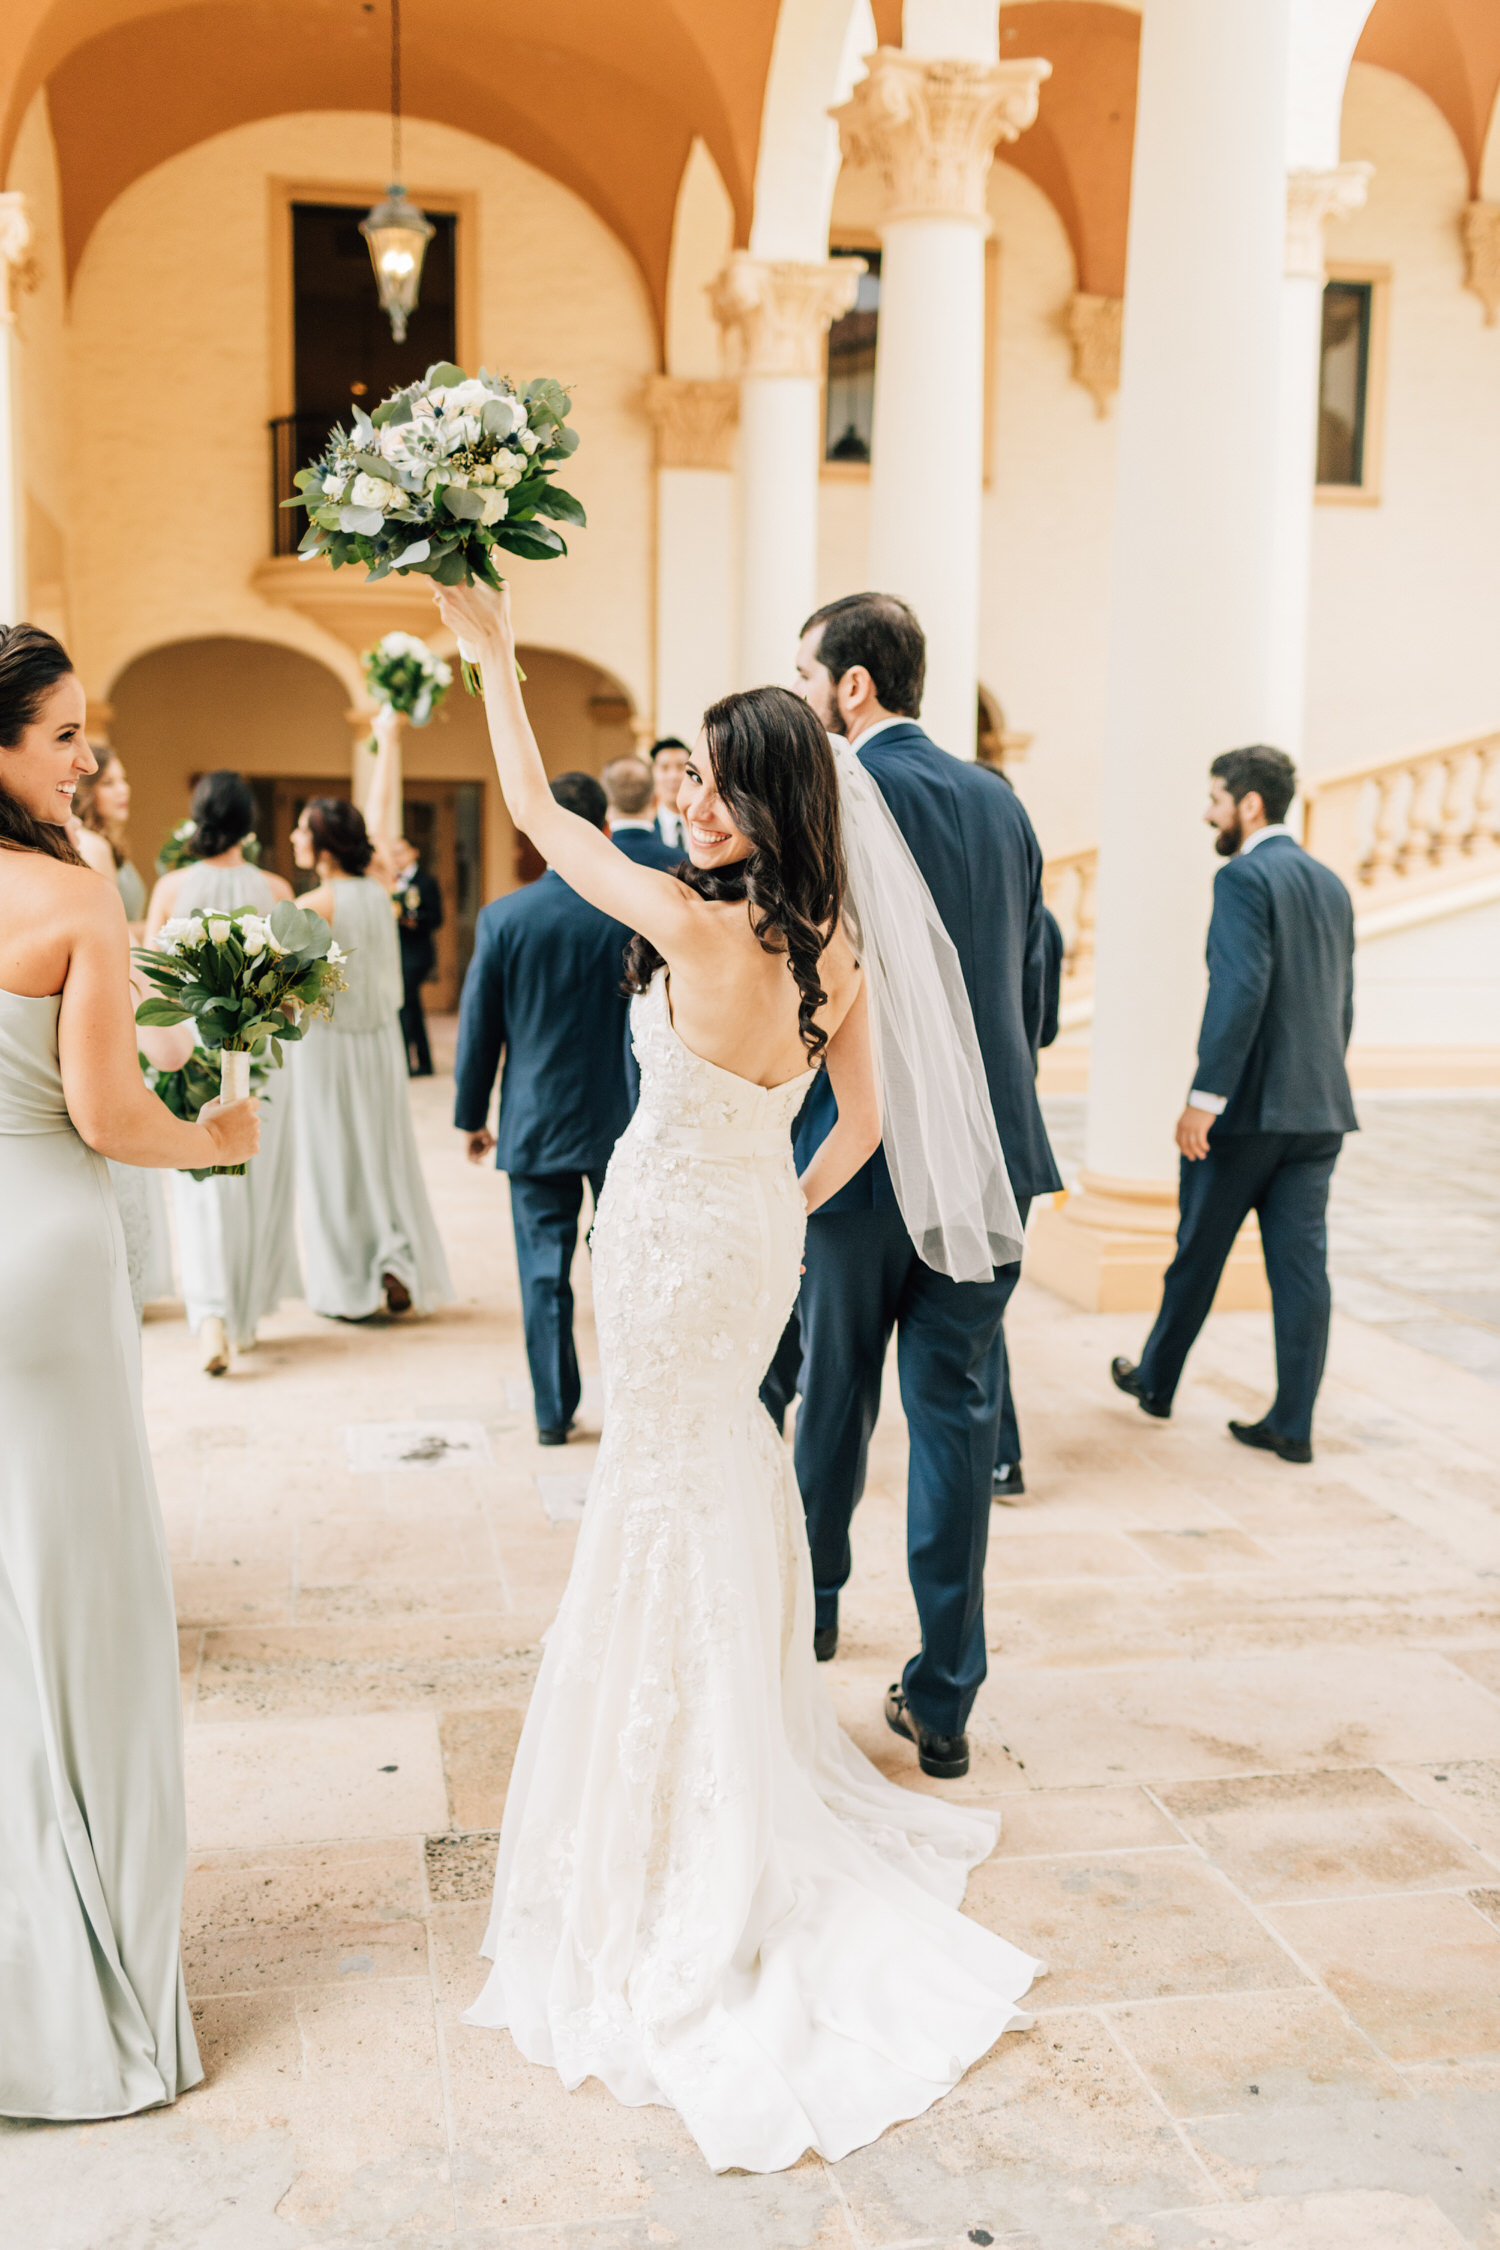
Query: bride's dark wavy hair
[31, 664]
[774, 769]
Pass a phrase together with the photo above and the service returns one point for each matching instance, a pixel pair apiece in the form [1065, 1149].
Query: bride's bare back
[733, 1002]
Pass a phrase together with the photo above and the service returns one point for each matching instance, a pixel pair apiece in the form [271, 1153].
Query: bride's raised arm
[643, 898]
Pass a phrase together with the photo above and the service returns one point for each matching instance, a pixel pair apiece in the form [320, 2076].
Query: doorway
[444, 822]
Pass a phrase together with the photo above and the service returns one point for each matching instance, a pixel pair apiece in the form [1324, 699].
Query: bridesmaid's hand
[235, 1131]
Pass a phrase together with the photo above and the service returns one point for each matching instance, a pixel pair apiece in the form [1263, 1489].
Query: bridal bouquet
[442, 477]
[402, 671]
[246, 981]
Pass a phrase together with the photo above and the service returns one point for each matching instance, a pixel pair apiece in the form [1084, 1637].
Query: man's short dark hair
[1269, 772]
[883, 635]
[668, 742]
[580, 793]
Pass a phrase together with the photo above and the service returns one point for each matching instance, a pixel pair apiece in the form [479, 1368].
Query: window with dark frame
[849, 416]
[1344, 382]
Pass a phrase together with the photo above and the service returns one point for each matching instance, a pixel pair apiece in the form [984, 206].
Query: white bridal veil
[938, 1126]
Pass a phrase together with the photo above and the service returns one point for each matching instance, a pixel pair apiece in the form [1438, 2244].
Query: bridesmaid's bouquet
[248, 982]
[402, 671]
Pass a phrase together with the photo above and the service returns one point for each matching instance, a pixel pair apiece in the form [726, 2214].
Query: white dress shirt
[617, 821]
[1216, 1104]
[672, 829]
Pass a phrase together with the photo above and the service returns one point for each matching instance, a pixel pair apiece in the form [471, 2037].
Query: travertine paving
[1243, 1721]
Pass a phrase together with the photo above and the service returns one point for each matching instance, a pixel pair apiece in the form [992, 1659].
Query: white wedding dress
[706, 1897]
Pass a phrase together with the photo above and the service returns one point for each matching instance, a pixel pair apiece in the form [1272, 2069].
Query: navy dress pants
[863, 1279]
[544, 1209]
[1283, 1178]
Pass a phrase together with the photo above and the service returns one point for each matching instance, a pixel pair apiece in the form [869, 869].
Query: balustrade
[1409, 825]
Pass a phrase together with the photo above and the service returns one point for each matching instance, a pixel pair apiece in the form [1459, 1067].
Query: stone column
[1313, 195]
[15, 239]
[776, 315]
[694, 420]
[928, 127]
[1190, 669]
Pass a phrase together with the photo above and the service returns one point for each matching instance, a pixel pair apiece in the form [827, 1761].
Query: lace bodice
[682, 1090]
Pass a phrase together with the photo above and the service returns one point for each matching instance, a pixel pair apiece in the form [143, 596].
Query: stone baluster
[1424, 816]
[1388, 841]
[1485, 830]
[1455, 805]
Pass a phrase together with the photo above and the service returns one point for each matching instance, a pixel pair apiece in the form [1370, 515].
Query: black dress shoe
[1127, 1377]
[1271, 1441]
[1007, 1483]
[944, 1756]
[559, 1436]
[825, 1643]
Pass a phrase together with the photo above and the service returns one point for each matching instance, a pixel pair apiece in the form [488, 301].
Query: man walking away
[419, 911]
[543, 991]
[630, 788]
[861, 664]
[669, 762]
[1270, 1103]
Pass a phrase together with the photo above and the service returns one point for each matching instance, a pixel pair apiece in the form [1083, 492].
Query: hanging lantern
[397, 232]
[398, 235]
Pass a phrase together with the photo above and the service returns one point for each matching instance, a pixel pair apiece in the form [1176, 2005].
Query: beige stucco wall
[42, 391]
[1406, 594]
[173, 382]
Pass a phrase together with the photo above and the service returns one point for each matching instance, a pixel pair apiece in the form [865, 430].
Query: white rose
[373, 492]
[181, 929]
[508, 469]
[274, 945]
[495, 506]
[335, 953]
[218, 927]
[334, 482]
[253, 934]
[469, 397]
[527, 440]
[390, 443]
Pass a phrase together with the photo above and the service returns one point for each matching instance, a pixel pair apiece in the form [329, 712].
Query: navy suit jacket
[970, 836]
[1280, 994]
[1053, 949]
[543, 989]
[645, 847]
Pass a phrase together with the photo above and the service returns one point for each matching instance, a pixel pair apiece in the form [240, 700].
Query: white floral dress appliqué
[706, 1896]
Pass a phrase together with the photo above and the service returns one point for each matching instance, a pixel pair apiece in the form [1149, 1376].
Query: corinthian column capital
[930, 127]
[776, 312]
[1311, 197]
[694, 421]
[15, 243]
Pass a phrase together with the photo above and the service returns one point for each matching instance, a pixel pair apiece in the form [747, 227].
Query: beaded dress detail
[706, 1896]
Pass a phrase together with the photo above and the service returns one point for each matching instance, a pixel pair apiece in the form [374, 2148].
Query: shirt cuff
[1215, 1104]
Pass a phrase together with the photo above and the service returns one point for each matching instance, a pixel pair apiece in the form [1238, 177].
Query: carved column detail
[776, 313]
[1311, 197]
[16, 271]
[694, 422]
[929, 127]
[1095, 325]
[1482, 256]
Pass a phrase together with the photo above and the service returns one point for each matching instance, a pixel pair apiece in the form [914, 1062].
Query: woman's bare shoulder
[278, 885]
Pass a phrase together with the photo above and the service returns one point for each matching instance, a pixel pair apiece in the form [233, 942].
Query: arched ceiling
[603, 96]
[1078, 151]
[1451, 50]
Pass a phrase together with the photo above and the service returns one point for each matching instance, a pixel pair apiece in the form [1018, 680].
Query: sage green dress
[236, 1238]
[364, 1206]
[94, 2019]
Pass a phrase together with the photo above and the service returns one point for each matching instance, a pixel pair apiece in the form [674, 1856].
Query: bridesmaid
[100, 811]
[367, 1227]
[94, 2019]
[236, 1239]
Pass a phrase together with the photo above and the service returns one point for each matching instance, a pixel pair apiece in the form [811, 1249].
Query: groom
[860, 665]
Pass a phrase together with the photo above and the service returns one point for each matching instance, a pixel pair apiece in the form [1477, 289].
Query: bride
[706, 1897]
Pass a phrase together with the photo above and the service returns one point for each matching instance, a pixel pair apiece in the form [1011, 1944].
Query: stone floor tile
[1280, 1511]
[1482, 1664]
[1236, 2050]
[304, 1886]
[1045, 1822]
[1419, 1974]
[260, 1958]
[1199, 1552]
[1355, 2220]
[1052, 2132]
[1324, 1707]
[479, 1748]
[339, 1551]
[1311, 1835]
[296, 1781]
[858, 1687]
[1065, 1554]
[232, 1593]
[1466, 1791]
[1133, 1925]
[317, 1669]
